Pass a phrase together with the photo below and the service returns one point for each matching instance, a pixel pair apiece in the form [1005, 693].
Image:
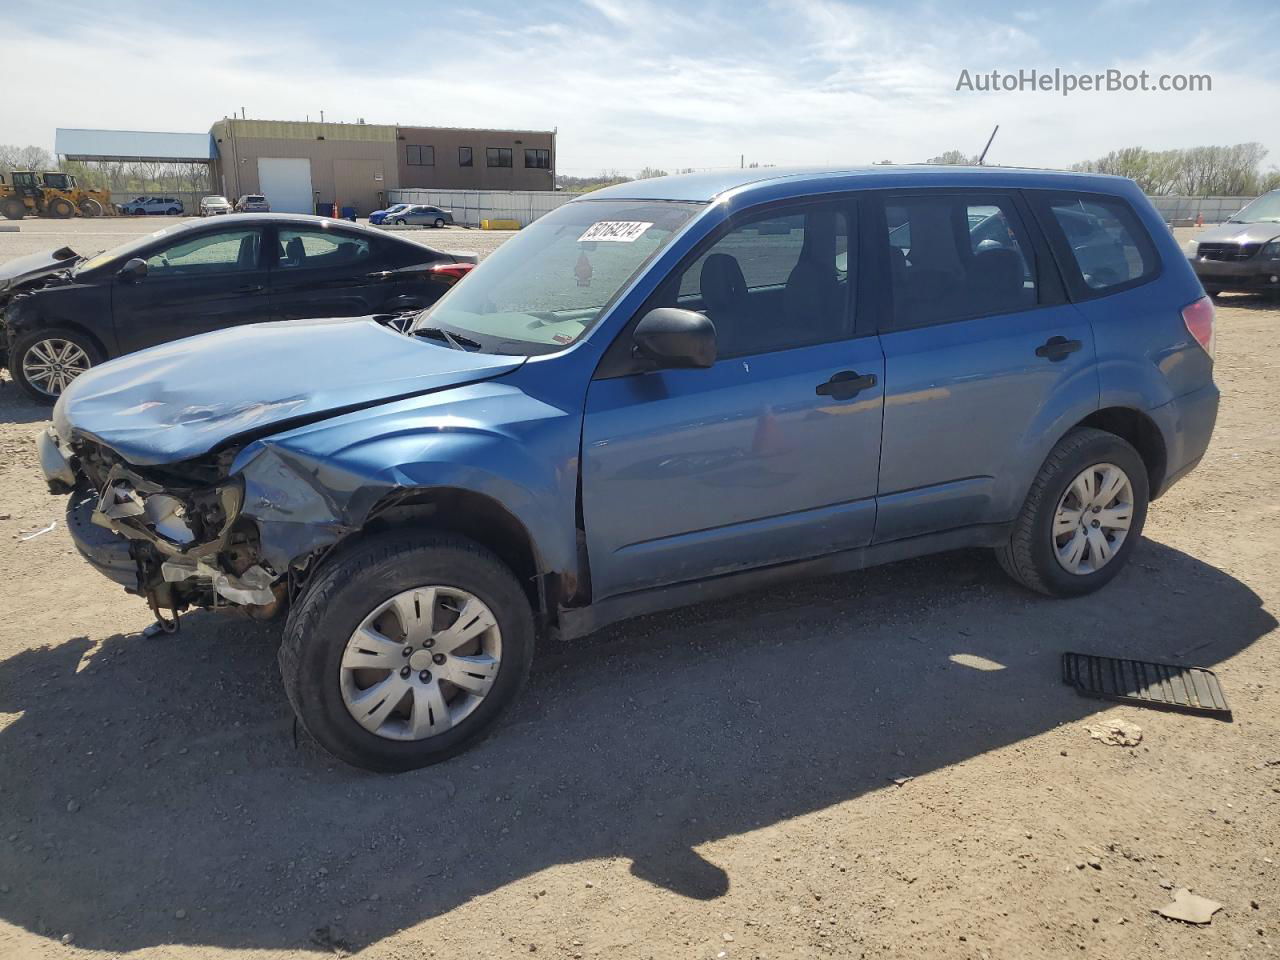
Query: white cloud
[632, 83]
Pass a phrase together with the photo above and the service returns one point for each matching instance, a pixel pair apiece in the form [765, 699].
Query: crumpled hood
[182, 399]
[1239, 233]
[34, 266]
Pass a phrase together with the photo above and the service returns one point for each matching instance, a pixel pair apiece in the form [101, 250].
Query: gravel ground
[711, 783]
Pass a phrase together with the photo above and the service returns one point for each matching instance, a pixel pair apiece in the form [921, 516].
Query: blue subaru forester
[662, 392]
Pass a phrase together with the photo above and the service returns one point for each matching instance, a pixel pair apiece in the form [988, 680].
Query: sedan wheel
[49, 365]
[420, 663]
[1093, 519]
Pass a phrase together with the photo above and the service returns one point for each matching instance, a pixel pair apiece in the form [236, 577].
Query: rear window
[1109, 246]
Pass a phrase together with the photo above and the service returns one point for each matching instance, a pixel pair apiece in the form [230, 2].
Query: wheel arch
[1140, 431]
[476, 516]
[18, 333]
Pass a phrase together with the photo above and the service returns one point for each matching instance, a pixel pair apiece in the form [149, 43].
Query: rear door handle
[250, 288]
[1057, 348]
[380, 275]
[845, 385]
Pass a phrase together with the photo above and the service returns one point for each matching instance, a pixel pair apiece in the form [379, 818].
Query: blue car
[382, 216]
[659, 393]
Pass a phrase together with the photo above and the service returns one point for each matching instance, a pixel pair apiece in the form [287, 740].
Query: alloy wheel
[50, 365]
[420, 663]
[1093, 519]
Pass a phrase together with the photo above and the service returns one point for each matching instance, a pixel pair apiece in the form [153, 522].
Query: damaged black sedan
[64, 313]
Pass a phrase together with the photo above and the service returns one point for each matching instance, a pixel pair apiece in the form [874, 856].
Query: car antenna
[983, 155]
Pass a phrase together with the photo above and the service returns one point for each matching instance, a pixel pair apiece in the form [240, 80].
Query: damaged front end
[174, 535]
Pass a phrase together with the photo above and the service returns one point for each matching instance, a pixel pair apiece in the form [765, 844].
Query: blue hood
[182, 399]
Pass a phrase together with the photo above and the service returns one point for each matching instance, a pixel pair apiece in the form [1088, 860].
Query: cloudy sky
[630, 83]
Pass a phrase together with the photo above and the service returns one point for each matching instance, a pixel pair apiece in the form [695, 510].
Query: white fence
[471, 206]
[1183, 211]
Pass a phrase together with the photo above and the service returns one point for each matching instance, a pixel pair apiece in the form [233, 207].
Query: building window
[538, 159]
[464, 156]
[498, 156]
[417, 156]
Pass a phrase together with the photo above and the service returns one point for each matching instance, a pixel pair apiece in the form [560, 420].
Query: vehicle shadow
[16, 406]
[147, 776]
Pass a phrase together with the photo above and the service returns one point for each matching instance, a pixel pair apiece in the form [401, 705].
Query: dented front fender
[308, 488]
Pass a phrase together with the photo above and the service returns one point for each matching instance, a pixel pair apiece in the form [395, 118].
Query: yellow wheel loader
[56, 195]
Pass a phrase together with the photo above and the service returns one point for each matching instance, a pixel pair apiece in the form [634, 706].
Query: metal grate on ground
[1144, 683]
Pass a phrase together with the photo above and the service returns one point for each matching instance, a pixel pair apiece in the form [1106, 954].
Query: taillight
[1198, 317]
[451, 272]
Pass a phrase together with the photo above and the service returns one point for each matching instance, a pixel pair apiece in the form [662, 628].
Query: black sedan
[64, 313]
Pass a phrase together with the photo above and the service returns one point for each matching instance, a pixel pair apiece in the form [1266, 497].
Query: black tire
[14, 209]
[1029, 557]
[439, 223]
[173, 212]
[400, 222]
[346, 590]
[18, 355]
[60, 208]
[90, 207]
[139, 212]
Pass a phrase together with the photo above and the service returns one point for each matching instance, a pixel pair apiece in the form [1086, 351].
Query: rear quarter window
[1103, 245]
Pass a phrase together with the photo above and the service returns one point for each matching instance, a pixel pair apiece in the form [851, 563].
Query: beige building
[300, 165]
[453, 158]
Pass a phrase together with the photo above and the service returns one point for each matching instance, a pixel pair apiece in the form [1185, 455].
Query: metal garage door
[286, 183]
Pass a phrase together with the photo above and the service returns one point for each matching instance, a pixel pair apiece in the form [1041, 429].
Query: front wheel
[439, 223]
[1082, 518]
[400, 222]
[44, 362]
[13, 209]
[406, 650]
[89, 207]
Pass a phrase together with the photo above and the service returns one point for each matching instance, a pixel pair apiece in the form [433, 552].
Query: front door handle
[1057, 348]
[845, 385]
[250, 288]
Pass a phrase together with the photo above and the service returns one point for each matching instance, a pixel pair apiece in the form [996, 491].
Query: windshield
[1266, 207]
[549, 284]
[126, 250]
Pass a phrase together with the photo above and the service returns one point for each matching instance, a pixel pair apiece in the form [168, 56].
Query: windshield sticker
[615, 231]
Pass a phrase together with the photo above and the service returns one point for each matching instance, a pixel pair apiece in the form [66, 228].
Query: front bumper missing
[139, 535]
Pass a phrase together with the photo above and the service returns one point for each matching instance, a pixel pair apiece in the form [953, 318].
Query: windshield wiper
[456, 341]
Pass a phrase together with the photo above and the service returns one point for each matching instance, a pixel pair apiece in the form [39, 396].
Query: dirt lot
[715, 782]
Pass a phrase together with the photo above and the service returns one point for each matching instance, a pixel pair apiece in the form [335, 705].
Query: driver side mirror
[133, 270]
[672, 338]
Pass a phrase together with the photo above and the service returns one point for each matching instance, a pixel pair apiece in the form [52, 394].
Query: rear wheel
[1082, 518]
[13, 208]
[44, 362]
[439, 223]
[61, 208]
[90, 207]
[406, 650]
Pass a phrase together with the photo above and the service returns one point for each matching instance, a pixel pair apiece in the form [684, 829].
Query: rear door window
[321, 249]
[954, 256]
[1106, 246]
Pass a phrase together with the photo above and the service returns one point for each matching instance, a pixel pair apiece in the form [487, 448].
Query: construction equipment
[51, 194]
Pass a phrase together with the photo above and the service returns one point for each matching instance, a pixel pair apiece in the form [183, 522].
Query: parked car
[1243, 253]
[380, 216]
[140, 206]
[663, 392]
[421, 215]
[66, 313]
[212, 206]
[253, 203]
